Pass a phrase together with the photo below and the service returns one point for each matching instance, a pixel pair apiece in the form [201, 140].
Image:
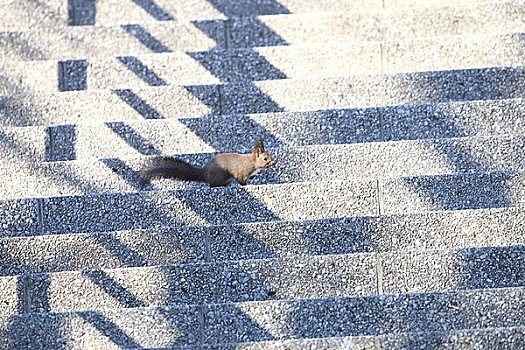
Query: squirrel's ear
[259, 146]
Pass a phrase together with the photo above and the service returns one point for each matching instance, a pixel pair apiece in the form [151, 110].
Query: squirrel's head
[262, 158]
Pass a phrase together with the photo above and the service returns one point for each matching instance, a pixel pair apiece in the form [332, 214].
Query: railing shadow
[475, 187]
[133, 138]
[72, 76]
[138, 104]
[454, 192]
[154, 10]
[148, 40]
[142, 71]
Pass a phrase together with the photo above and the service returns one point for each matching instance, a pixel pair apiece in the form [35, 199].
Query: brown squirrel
[218, 171]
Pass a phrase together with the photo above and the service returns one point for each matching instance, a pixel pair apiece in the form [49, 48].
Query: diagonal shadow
[456, 154]
[69, 153]
[467, 191]
[473, 188]
[54, 330]
[113, 288]
[109, 329]
[145, 38]
[235, 204]
[132, 138]
[141, 71]
[138, 104]
[241, 67]
[124, 171]
[232, 66]
[33, 165]
[17, 44]
[227, 133]
[154, 10]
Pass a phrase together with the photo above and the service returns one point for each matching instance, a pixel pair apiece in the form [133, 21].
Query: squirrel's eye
[265, 159]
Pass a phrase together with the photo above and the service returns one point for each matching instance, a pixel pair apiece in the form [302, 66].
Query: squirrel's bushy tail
[167, 167]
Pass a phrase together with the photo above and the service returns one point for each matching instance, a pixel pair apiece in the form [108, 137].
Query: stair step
[136, 37]
[485, 338]
[261, 97]
[111, 12]
[107, 14]
[267, 240]
[304, 277]
[54, 13]
[203, 206]
[393, 218]
[66, 42]
[212, 67]
[267, 63]
[289, 278]
[379, 160]
[236, 204]
[235, 133]
[217, 324]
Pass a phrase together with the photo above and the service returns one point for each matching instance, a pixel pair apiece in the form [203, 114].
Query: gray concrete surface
[393, 218]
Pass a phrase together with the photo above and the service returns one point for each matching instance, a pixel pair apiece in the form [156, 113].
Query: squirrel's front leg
[243, 181]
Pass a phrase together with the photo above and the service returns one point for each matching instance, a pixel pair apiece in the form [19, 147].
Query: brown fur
[218, 171]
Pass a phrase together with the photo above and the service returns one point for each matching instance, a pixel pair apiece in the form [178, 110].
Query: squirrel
[218, 171]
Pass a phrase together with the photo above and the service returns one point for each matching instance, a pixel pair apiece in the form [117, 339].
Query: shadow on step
[133, 138]
[141, 70]
[154, 10]
[476, 182]
[148, 40]
[492, 267]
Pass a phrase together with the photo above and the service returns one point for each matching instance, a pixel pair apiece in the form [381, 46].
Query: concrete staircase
[393, 219]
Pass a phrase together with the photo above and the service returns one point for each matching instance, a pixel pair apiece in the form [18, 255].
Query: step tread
[223, 132]
[110, 12]
[485, 338]
[394, 218]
